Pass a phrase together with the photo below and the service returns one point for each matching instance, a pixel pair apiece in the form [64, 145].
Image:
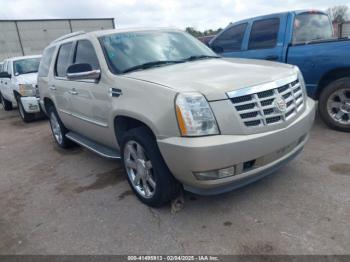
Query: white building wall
[30, 37]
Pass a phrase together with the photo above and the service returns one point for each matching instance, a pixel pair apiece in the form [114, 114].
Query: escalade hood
[214, 77]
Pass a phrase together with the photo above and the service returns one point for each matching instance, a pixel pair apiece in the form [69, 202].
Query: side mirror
[5, 75]
[82, 72]
[217, 49]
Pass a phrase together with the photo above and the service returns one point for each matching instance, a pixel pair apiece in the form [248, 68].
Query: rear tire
[26, 117]
[147, 173]
[59, 131]
[5, 103]
[334, 105]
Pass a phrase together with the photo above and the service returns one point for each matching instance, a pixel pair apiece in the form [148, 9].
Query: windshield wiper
[198, 57]
[150, 65]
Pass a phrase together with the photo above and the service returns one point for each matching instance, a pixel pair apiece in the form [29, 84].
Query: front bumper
[269, 151]
[31, 104]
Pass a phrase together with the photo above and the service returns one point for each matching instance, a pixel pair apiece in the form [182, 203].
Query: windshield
[26, 66]
[312, 27]
[128, 51]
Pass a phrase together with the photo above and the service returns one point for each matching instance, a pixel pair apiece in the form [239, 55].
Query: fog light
[215, 174]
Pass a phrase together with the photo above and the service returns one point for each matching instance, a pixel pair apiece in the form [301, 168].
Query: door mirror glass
[5, 75]
[82, 71]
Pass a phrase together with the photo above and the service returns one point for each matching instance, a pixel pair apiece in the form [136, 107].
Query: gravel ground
[54, 201]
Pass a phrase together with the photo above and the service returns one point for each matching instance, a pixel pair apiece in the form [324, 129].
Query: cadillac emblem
[280, 104]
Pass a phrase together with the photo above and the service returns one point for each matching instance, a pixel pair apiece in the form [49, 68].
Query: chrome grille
[260, 109]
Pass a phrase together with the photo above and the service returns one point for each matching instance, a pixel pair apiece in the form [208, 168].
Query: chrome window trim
[262, 87]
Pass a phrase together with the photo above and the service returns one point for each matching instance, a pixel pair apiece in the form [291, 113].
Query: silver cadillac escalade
[175, 113]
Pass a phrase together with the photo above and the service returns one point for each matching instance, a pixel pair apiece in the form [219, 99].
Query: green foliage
[197, 33]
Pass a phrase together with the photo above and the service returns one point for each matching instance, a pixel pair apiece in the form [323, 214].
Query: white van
[18, 86]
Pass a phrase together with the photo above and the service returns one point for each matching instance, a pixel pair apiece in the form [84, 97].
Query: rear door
[265, 39]
[60, 87]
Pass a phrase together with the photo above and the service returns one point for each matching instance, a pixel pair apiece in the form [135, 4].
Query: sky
[199, 14]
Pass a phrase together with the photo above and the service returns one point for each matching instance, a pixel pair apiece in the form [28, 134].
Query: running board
[93, 146]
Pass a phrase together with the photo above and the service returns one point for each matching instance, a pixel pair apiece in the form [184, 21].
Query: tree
[197, 33]
[339, 14]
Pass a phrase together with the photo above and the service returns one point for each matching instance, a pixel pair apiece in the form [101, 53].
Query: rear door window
[231, 39]
[46, 62]
[85, 54]
[64, 59]
[264, 34]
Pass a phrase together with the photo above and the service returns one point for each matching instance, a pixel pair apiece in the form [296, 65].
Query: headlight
[26, 90]
[194, 115]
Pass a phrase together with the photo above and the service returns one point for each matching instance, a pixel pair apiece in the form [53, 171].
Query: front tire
[334, 105]
[26, 117]
[6, 104]
[147, 172]
[59, 131]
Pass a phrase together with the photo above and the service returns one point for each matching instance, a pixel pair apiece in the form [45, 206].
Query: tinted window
[46, 62]
[63, 59]
[264, 34]
[310, 27]
[86, 54]
[231, 39]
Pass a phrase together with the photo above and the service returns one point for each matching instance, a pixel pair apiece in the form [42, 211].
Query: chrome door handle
[73, 92]
[115, 92]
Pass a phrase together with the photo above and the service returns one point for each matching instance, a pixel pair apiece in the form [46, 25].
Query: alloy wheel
[56, 128]
[139, 169]
[338, 106]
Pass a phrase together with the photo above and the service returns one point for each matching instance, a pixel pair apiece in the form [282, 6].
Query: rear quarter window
[46, 62]
[264, 34]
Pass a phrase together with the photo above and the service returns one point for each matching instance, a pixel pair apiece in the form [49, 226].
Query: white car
[18, 86]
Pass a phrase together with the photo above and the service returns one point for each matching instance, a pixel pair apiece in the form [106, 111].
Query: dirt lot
[74, 202]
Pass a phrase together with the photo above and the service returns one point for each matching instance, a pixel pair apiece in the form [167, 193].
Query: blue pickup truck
[302, 38]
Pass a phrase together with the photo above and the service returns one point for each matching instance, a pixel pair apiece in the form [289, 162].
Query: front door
[90, 98]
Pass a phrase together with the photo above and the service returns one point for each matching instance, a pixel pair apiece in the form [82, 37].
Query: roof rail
[68, 36]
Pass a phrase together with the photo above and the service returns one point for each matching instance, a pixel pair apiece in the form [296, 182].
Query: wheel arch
[124, 123]
[330, 77]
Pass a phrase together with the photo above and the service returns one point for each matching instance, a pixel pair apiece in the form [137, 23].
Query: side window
[264, 34]
[46, 62]
[85, 53]
[231, 39]
[63, 60]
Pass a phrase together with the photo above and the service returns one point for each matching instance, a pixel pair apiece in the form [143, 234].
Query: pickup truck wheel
[334, 105]
[26, 117]
[147, 173]
[58, 129]
[5, 103]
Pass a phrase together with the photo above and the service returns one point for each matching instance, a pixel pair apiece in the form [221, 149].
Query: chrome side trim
[85, 119]
[90, 121]
[263, 87]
